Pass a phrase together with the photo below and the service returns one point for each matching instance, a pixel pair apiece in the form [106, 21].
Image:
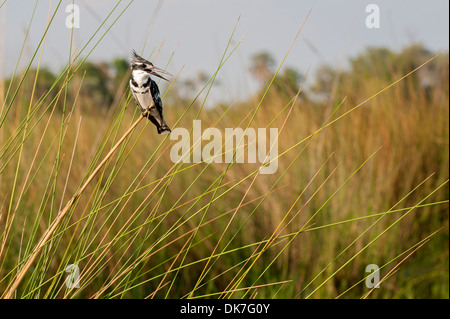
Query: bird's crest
[137, 59]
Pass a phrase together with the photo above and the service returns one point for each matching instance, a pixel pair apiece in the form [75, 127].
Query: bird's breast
[140, 77]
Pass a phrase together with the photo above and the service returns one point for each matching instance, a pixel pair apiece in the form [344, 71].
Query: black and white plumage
[145, 91]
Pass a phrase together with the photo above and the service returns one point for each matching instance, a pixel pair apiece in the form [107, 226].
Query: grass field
[362, 179]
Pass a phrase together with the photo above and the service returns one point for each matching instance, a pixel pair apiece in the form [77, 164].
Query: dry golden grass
[362, 179]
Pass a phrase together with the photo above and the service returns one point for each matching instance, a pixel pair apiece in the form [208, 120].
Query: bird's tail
[156, 118]
[163, 129]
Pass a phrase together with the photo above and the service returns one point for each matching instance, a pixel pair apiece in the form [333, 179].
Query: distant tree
[44, 82]
[413, 56]
[379, 62]
[288, 82]
[262, 66]
[120, 68]
[324, 82]
[193, 85]
[96, 83]
[376, 68]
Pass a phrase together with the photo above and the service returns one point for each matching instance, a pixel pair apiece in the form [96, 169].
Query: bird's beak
[155, 69]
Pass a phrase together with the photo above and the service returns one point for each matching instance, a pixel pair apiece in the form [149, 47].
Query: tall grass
[361, 179]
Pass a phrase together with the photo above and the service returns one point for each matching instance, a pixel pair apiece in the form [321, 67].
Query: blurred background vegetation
[410, 122]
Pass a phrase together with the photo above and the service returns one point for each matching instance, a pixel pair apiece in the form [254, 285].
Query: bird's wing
[156, 95]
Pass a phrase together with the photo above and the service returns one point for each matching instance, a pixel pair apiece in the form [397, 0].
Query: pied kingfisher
[145, 91]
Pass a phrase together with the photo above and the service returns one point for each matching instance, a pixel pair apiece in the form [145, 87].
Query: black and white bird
[145, 91]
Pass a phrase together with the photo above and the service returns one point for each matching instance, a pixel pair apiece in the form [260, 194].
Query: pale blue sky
[199, 31]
